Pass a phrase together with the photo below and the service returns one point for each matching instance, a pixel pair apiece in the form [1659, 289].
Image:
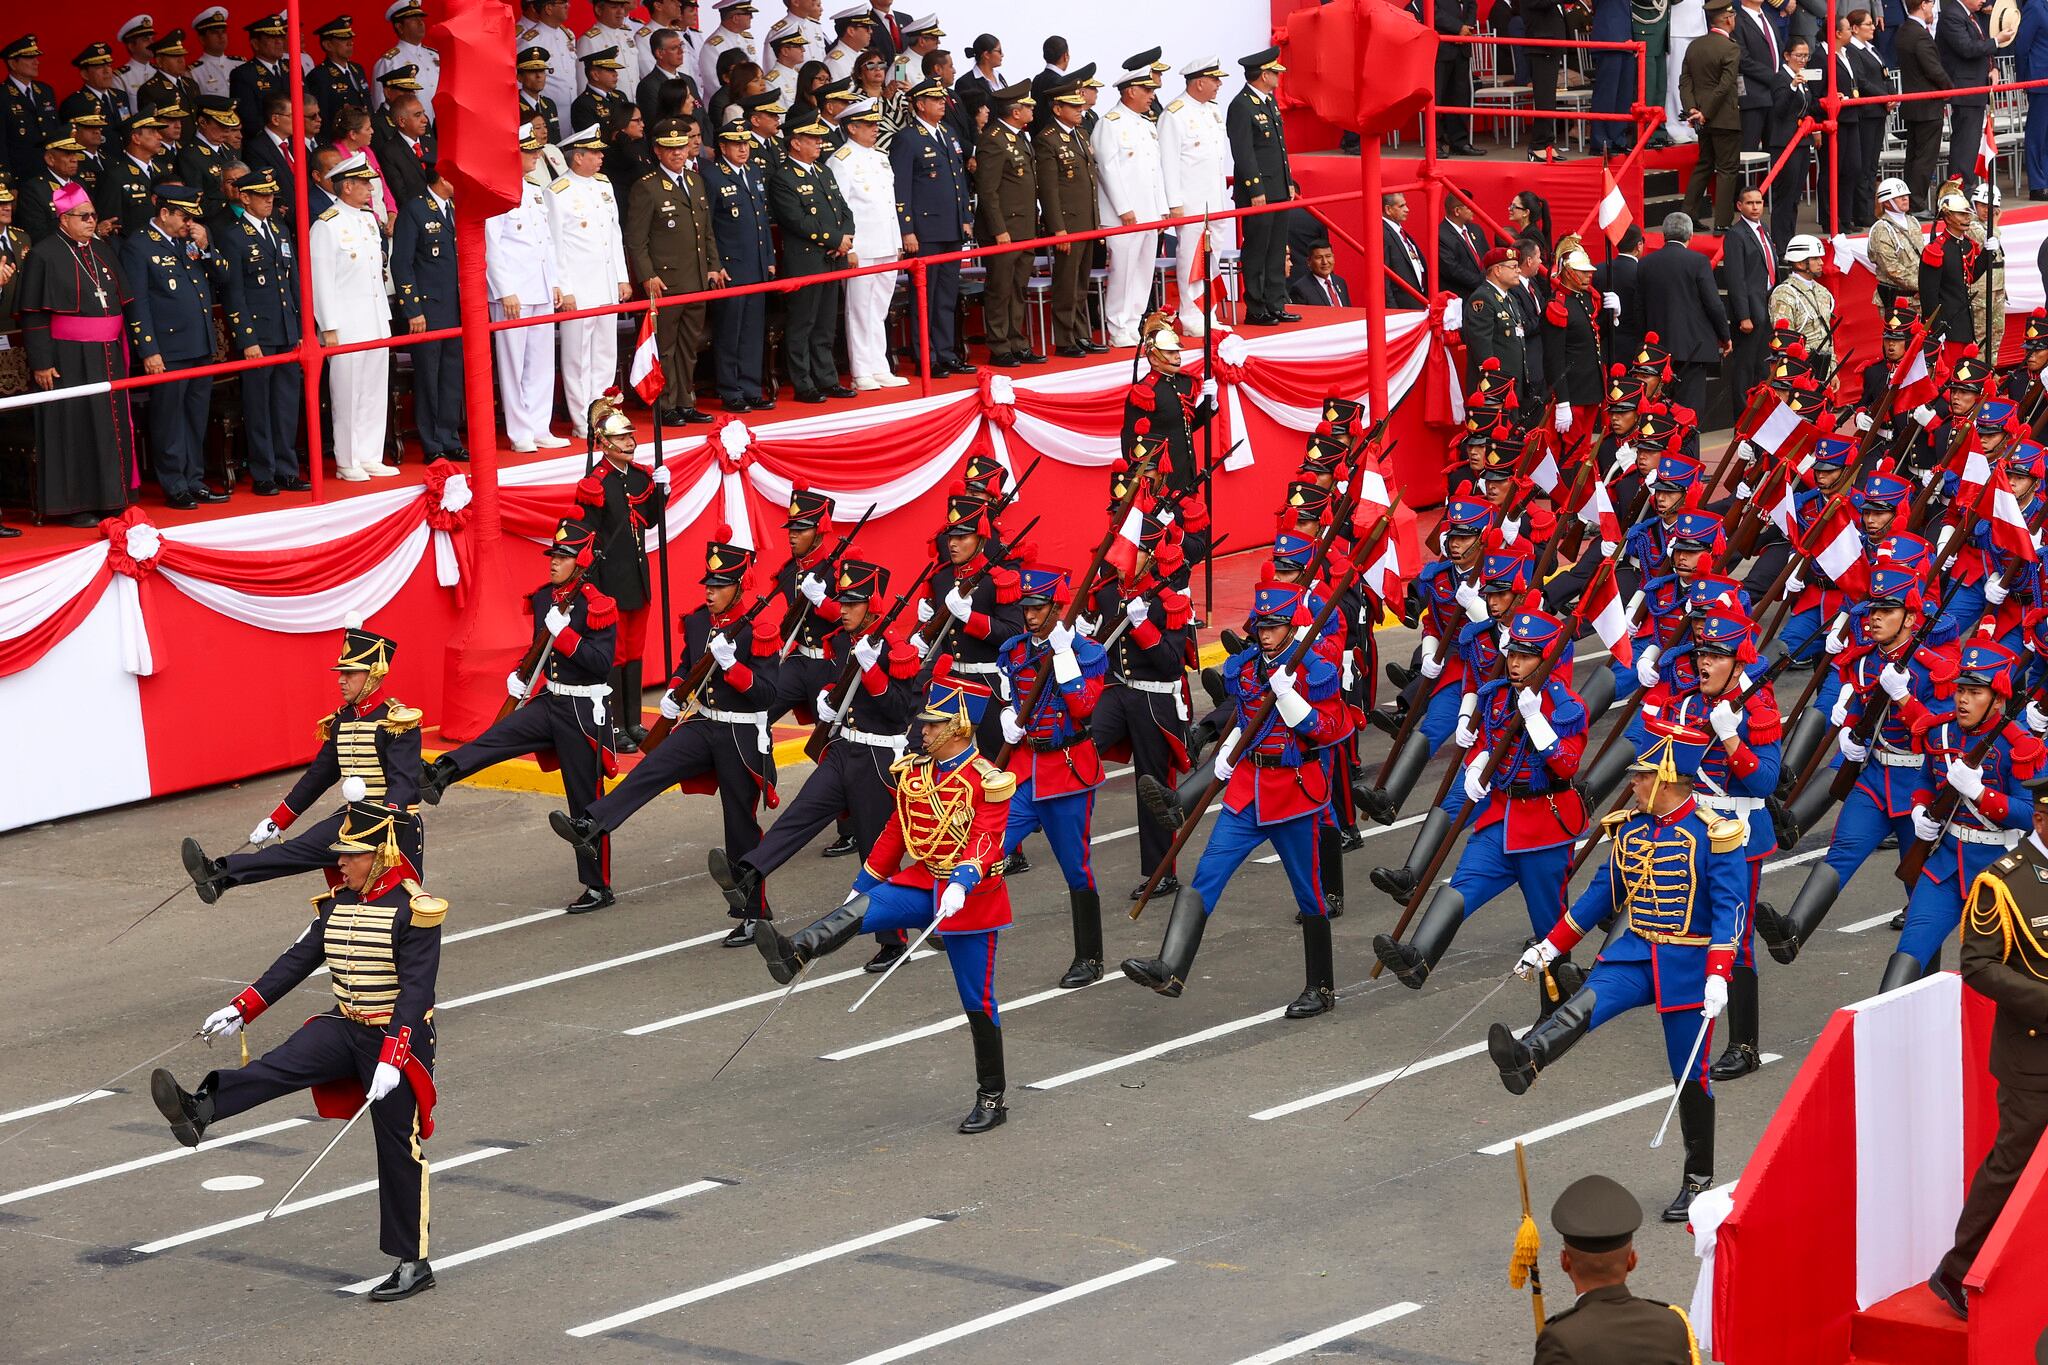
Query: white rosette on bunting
[137, 546]
[455, 495]
[999, 413]
[735, 452]
[1231, 353]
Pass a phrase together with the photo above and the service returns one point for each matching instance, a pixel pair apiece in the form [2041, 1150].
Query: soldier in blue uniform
[934, 214]
[263, 319]
[255, 82]
[1674, 876]
[1277, 792]
[339, 81]
[561, 719]
[371, 747]
[28, 109]
[174, 272]
[378, 936]
[738, 186]
[423, 268]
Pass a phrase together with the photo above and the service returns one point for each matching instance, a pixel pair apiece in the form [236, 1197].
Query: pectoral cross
[99, 292]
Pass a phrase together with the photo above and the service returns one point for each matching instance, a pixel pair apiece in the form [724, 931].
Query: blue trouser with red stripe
[1065, 821]
[1936, 906]
[1619, 987]
[1487, 869]
[972, 955]
[1237, 833]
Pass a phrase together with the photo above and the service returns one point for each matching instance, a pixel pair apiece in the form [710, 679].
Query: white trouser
[1189, 260]
[1133, 257]
[1674, 116]
[867, 309]
[526, 378]
[590, 362]
[360, 385]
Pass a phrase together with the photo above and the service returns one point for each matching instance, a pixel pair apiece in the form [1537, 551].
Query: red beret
[1498, 256]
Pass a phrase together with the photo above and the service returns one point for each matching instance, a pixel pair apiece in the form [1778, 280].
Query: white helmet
[1892, 188]
[1803, 247]
[1986, 192]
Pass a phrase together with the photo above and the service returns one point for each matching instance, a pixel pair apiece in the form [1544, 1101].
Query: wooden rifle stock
[933, 632]
[825, 570]
[533, 661]
[699, 674]
[1879, 701]
[842, 686]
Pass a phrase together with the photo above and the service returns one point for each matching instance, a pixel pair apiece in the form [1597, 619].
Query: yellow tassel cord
[1522, 1262]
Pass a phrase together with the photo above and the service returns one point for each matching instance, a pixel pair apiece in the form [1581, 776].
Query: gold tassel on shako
[1522, 1261]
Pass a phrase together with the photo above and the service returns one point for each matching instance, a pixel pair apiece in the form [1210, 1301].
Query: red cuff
[566, 642]
[1993, 805]
[397, 1049]
[977, 624]
[873, 680]
[1720, 962]
[1743, 761]
[1565, 935]
[250, 1004]
[283, 816]
[1145, 634]
[827, 610]
[740, 675]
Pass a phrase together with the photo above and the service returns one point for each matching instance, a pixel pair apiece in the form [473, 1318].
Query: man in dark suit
[933, 213]
[1454, 18]
[1749, 271]
[1493, 327]
[1460, 248]
[1676, 299]
[263, 319]
[1404, 258]
[1757, 38]
[1323, 287]
[1793, 100]
[423, 268]
[1617, 281]
[403, 153]
[1871, 78]
[1920, 68]
[738, 188]
[1966, 55]
[668, 56]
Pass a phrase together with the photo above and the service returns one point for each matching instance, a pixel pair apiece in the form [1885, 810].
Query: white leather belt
[986, 668]
[1176, 689]
[757, 719]
[893, 743]
[1892, 758]
[595, 692]
[809, 651]
[2004, 838]
[1734, 806]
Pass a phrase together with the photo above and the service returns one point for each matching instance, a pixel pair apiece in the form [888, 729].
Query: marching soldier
[1133, 185]
[559, 710]
[28, 109]
[1597, 1219]
[531, 65]
[349, 304]
[371, 747]
[1673, 876]
[738, 187]
[600, 101]
[950, 812]
[423, 268]
[810, 610]
[851, 782]
[590, 262]
[174, 272]
[1276, 792]
[263, 319]
[378, 936]
[980, 596]
[932, 189]
[619, 500]
[1052, 754]
[339, 81]
[1260, 175]
[408, 20]
[1006, 183]
[1165, 405]
[670, 249]
[817, 236]
[1067, 191]
[1194, 164]
[721, 745]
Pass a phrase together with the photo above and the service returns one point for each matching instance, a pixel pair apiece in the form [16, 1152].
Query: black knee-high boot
[1413, 961]
[1696, 1122]
[1783, 934]
[989, 1110]
[1330, 864]
[1742, 1055]
[1399, 882]
[1900, 969]
[787, 956]
[1383, 804]
[1519, 1060]
[1086, 969]
[1168, 973]
[1318, 957]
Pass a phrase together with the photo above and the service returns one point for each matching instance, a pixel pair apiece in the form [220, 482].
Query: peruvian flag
[1123, 551]
[1603, 609]
[1615, 219]
[645, 375]
[1771, 426]
[1973, 476]
[1781, 505]
[1546, 475]
[2008, 521]
[1912, 386]
[1987, 152]
[1836, 543]
[1599, 515]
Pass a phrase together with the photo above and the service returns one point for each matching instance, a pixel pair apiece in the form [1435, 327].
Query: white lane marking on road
[1860, 925]
[222, 1184]
[711, 1011]
[715, 936]
[1015, 1311]
[945, 1025]
[741, 1281]
[1605, 1111]
[84, 1097]
[107, 1172]
[554, 1230]
[1364, 833]
[1156, 1050]
[1281, 1111]
[1796, 859]
[300, 1205]
[1127, 832]
[1302, 1346]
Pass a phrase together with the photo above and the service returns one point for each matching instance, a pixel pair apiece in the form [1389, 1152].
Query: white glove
[660, 476]
[1925, 827]
[962, 607]
[1838, 635]
[556, 620]
[1542, 734]
[921, 645]
[1612, 303]
[1473, 603]
[1090, 626]
[384, 1080]
[1475, 783]
[1863, 422]
[823, 706]
[671, 709]
[222, 1023]
[813, 589]
[1794, 584]
[1292, 706]
[1851, 750]
[951, 899]
[1432, 658]
[1727, 724]
[1715, 998]
[1624, 455]
[1013, 733]
[1995, 590]
[1923, 415]
[265, 831]
[1223, 767]
[1060, 637]
[1562, 419]
[722, 650]
[1282, 682]
[1839, 715]
[1743, 492]
[866, 651]
[1895, 681]
[924, 610]
[1466, 736]
[1967, 779]
[515, 686]
[1536, 957]
[2037, 719]
[1137, 611]
[1209, 388]
[1992, 244]
[1646, 665]
[1510, 530]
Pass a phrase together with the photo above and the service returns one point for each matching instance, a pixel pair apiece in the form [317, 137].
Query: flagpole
[1990, 144]
[1209, 427]
[668, 658]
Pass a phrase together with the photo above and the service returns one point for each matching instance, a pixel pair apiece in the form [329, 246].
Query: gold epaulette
[1725, 836]
[1174, 108]
[1613, 821]
[427, 911]
[398, 717]
[560, 185]
[996, 784]
[324, 728]
[843, 152]
[324, 896]
[328, 212]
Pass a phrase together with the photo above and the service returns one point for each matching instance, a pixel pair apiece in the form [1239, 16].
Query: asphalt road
[1176, 1182]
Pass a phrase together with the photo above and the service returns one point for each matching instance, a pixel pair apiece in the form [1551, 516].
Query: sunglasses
[86, 217]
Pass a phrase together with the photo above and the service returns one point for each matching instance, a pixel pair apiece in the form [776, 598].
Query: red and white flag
[1400, 557]
[1604, 611]
[1781, 503]
[1973, 476]
[1987, 152]
[1782, 433]
[1835, 543]
[1599, 515]
[1615, 219]
[1912, 386]
[1123, 551]
[2008, 519]
[645, 375]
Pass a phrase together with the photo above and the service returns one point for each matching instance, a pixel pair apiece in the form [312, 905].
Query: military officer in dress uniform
[126, 195]
[932, 192]
[856, 28]
[1493, 327]
[1260, 175]
[347, 249]
[255, 82]
[212, 67]
[263, 319]
[136, 36]
[559, 713]
[171, 85]
[339, 80]
[590, 258]
[764, 121]
[610, 31]
[36, 211]
[408, 20]
[600, 100]
[1006, 183]
[370, 746]
[378, 936]
[1133, 188]
[1598, 1219]
[671, 250]
[738, 187]
[204, 161]
[546, 31]
[950, 812]
[174, 271]
[1194, 162]
[817, 236]
[423, 268]
[28, 109]
[733, 34]
[88, 127]
[1067, 186]
[520, 272]
[99, 79]
[867, 182]
[534, 102]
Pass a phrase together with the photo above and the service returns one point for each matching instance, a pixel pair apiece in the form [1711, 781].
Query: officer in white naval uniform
[543, 29]
[1194, 157]
[734, 31]
[135, 35]
[212, 68]
[1130, 189]
[867, 181]
[590, 256]
[409, 21]
[856, 27]
[347, 253]
[519, 267]
[611, 30]
[809, 18]
[785, 50]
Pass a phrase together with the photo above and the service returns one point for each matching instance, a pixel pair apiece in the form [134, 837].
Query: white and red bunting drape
[300, 571]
